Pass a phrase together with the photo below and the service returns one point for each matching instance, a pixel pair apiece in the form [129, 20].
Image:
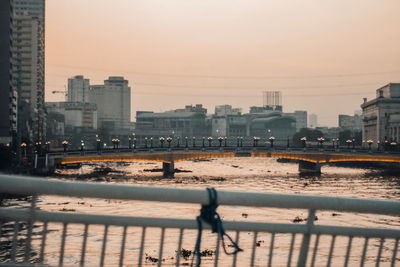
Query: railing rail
[307, 252]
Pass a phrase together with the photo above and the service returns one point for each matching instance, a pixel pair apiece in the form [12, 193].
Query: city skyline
[321, 56]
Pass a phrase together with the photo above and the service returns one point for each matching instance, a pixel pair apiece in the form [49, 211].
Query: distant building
[189, 108]
[312, 121]
[228, 121]
[113, 101]
[300, 117]
[8, 89]
[78, 89]
[352, 123]
[381, 116]
[275, 124]
[273, 100]
[76, 114]
[172, 123]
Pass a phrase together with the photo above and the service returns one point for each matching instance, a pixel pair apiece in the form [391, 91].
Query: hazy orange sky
[324, 56]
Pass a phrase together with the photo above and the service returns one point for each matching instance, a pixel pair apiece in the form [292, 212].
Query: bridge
[310, 159]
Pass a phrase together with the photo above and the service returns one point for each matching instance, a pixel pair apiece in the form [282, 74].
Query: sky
[324, 56]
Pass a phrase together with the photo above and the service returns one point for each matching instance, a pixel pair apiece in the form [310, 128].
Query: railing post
[305, 244]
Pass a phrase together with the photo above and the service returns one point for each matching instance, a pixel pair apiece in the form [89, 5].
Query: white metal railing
[25, 219]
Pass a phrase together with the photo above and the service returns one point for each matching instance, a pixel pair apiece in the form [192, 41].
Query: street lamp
[255, 140]
[169, 140]
[225, 141]
[47, 146]
[194, 141]
[65, 145]
[134, 142]
[204, 139]
[241, 141]
[82, 145]
[129, 142]
[393, 145]
[321, 141]
[114, 141]
[23, 145]
[162, 140]
[271, 140]
[304, 140]
[238, 141]
[369, 142]
[178, 139]
[209, 141]
[220, 139]
[348, 142]
[151, 142]
[98, 141]
[186, 142]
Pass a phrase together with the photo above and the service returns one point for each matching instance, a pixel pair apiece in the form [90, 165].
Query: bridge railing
[20, 245]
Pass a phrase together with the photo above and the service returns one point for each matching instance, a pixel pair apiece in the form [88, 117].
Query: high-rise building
[113, 100]
[78, 89]
[28, 53]
[312, 121]
[272, 99]
[301, 119]
[8, 93]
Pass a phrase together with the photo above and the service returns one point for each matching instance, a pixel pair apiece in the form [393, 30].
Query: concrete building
[113, 101]
[78, 89]
[29, 55]
[189, 108]
[171, 123]
[276, 124]
[228, 121]
[381, 116]
[8, 92]
[76, 114]
[352, 123]
[301, 118]
[312, 121]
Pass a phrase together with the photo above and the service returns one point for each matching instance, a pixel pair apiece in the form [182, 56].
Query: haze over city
[324, 56]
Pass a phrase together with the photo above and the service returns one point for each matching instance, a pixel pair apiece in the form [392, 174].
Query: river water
[234, 174]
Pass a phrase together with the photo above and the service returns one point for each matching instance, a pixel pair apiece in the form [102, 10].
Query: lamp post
[204, 139]
[162, 140]
[369, 142]
[23, 146]
[151, 142]
[220, 139]
[129, 142]
[98, 144]
[47, 143]
[145, 142]
[194, 141]
[65, 145]
[393, 145]
[134, 142]
[271, 140]
[304, 140]
[186, 142]
[178, 141]
[225, 141]
[114, 141]
[321, 142]
[241, 141]
[209, 141]
[255, 141]
[169, 140]
[238, 141]
[348, 142]
[82, 145]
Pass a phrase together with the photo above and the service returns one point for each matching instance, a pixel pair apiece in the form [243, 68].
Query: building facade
[78, 89]
[113, 101]
[381, 116]
[312, 121]
[29, 57]
[301, 118]
[352, 123]
[8, 92]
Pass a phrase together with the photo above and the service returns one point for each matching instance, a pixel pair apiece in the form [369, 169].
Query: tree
[310, 134]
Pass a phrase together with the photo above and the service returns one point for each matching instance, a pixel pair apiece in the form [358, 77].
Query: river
[234, 174]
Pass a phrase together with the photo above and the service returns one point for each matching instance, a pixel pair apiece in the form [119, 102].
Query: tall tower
[78, 89]
[8, 93]
[29, 48]
[272, 100]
